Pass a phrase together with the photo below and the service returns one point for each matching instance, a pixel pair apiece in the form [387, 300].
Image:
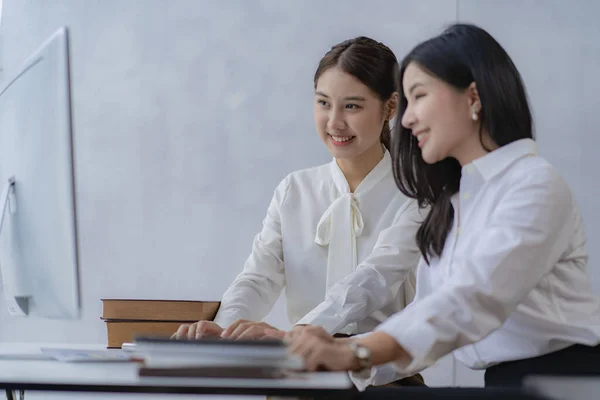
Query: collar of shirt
[345, 209]
[377, 174]
[475, 175]
[500, 159]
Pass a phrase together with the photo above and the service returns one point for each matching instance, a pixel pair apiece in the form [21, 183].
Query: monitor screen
[38, 238]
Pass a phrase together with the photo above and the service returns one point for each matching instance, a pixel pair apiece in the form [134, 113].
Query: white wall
[186, 115]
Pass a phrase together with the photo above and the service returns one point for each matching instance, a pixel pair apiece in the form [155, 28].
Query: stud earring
[474, 116]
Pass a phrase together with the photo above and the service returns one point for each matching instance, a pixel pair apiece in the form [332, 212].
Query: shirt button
[466, 196]
[469, 169]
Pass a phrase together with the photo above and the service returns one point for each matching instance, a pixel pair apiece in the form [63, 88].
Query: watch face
[363, 353]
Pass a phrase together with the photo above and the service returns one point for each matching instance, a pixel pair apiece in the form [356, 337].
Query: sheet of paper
[80, 355]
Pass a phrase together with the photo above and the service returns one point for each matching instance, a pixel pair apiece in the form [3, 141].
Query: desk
[565, 388]
[122, 377]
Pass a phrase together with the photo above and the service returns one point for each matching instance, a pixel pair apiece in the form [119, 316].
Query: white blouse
[511, 282]
[317, 232]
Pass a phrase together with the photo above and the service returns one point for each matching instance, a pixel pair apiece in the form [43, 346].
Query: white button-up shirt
[511, 283]
[317, 232]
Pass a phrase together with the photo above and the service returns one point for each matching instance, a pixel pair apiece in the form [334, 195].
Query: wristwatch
[362, 354]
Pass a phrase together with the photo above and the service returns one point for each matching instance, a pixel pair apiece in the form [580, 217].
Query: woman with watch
[503, 280]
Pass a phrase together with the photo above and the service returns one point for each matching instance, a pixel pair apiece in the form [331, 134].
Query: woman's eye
[323, 103]
[418, 96]
[352, 106]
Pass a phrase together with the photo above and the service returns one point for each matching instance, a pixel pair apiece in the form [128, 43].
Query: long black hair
[461, 55]
[369, 61]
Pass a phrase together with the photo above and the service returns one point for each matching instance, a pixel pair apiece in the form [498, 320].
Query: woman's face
[439, 116]
[349, 116]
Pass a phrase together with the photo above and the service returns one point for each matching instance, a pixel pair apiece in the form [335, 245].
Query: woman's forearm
[384, 348]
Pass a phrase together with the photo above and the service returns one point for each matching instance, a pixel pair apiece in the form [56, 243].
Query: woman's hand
[197, 330]
[244, 329]
[320, 350]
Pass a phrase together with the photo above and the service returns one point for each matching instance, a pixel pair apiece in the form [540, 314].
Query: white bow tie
[338, 228]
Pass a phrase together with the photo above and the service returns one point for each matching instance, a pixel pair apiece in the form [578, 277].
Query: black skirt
[576, 360]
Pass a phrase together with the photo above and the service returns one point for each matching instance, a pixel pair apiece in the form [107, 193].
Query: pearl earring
[474, 116]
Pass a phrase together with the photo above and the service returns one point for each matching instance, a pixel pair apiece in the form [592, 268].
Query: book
[127, 318]
[191, 356]
[215, 372]
[119, 332]
[159, 310]
[212, 345]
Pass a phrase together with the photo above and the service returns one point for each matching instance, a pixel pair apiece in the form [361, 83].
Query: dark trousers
[574, 360]
[503, 381]
[424, 393]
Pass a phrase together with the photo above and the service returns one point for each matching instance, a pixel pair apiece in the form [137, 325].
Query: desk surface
[123, 377]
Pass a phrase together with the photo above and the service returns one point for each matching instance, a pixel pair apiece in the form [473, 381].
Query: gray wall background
[186, 114]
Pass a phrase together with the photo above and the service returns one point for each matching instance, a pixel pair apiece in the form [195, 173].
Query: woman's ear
[391, 107]
[473, 98]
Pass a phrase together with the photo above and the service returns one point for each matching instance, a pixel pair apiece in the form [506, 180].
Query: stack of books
[215, 358]
[127, 319]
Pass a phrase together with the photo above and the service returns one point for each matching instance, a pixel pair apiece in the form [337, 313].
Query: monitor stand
[18, 304]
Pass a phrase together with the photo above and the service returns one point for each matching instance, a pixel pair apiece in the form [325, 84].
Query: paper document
[79, 355]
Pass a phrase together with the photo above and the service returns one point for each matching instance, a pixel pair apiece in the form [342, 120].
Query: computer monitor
[38, 235]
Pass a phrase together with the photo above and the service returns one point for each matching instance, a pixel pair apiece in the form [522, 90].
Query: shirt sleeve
[528, 230]
[377, 376]
[377, 280]
[256, 289]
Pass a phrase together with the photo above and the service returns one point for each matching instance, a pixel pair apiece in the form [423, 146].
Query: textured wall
[187, 114]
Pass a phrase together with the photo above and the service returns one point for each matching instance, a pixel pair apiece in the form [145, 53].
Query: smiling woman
[503, 282]
[346, 111]
[351, 100]
[327, 222]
